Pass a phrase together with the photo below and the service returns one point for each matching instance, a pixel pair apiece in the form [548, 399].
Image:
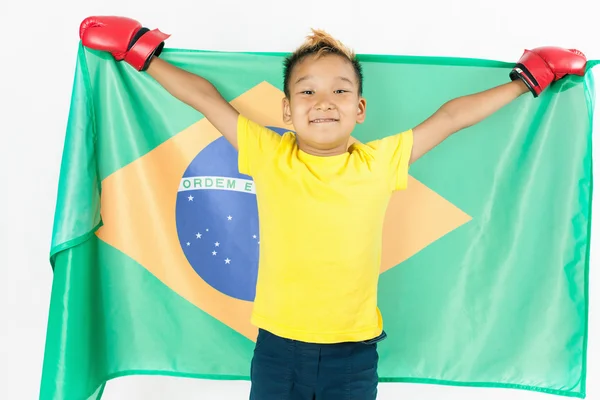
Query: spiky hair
[318, 44]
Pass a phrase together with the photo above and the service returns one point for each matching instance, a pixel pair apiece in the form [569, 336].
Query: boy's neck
[323, 152]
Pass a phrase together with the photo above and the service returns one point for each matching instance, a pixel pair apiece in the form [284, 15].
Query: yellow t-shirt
[321, 222]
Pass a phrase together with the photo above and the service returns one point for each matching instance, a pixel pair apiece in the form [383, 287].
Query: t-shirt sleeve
[255, 144]
[393, 155]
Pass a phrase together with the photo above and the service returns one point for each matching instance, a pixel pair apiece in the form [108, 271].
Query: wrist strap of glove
[520, 72]
[144, 45]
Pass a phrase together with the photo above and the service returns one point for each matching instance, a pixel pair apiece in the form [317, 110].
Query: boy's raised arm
[460, 113]
[140, 47]
[198, 93]
[534, 72]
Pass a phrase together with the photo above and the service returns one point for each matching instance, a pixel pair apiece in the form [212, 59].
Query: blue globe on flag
[217, 220]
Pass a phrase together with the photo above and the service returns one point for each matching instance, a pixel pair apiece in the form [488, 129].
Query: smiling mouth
[323, 120]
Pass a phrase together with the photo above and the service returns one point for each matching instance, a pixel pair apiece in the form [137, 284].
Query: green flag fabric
[484, 277]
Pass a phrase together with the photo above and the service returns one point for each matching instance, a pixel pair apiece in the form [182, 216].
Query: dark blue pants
[284, 369]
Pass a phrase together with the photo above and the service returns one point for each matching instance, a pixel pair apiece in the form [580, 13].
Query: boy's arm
[198, 93]
[460, 113]
[140, 47]
[535, 71]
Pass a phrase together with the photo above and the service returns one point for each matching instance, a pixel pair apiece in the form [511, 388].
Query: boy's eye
[339, 91]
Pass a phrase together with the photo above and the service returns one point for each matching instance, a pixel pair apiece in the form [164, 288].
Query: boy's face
[324, 104]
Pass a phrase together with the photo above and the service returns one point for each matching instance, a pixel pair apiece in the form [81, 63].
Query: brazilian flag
[484, 275]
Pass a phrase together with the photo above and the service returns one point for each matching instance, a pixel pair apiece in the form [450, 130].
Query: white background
[38, 48]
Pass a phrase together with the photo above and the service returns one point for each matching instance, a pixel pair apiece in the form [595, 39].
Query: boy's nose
[324, 104]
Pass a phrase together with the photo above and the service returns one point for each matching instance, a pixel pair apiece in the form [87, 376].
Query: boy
[321, 202]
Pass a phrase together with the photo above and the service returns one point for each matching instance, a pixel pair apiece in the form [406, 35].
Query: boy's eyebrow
[304, 78]
[307, 77]
[347, 80]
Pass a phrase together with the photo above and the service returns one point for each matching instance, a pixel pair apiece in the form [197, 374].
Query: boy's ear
[287, 111]
[361, 111]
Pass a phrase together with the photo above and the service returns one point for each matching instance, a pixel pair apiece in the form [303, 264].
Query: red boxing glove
[538, 68]
[124, 38]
